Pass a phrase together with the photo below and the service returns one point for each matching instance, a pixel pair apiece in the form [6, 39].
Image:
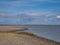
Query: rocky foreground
[24, 38]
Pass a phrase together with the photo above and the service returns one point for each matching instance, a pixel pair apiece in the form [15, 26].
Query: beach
[23, 38]
[12, 28]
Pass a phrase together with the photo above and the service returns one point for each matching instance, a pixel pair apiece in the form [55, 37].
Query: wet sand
[24, 38]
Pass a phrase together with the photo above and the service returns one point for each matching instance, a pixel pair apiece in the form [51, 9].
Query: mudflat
[24, 38]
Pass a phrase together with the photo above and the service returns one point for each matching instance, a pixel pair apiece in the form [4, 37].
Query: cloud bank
[30, 12]
[30, 18]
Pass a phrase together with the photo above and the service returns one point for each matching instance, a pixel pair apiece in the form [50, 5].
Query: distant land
[26, 25]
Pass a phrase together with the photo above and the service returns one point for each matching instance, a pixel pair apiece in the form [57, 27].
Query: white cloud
[36, 13]
[6, 13]
[58, 16]
[33, 14]
[34, 17]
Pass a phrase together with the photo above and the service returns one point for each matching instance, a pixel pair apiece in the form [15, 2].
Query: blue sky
[30, 12]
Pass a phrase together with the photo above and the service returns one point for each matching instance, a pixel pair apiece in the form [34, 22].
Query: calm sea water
[48, 31]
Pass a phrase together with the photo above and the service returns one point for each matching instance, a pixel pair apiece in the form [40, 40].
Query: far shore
[12, 28]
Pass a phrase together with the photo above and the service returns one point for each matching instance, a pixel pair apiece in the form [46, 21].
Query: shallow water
[47, 31]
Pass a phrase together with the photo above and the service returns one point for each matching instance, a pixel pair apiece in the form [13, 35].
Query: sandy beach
[12, 28]
[22, 38]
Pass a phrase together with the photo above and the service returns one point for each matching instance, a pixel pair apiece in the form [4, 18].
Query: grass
[11, 34]
[27, 33]
[31, 34]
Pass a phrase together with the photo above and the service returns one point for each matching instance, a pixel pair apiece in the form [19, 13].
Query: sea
[51, 32]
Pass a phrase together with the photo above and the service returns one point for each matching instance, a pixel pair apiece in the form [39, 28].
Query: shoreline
[9, 36]
[26, 38]
[31, 34]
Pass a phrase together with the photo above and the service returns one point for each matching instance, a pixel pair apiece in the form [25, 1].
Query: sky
[22, 12]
